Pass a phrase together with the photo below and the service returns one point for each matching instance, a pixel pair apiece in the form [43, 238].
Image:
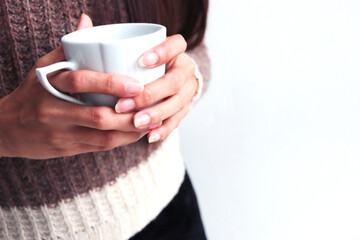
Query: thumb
[84, 22]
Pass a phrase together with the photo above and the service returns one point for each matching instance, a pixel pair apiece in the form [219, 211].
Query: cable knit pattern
[103, 195]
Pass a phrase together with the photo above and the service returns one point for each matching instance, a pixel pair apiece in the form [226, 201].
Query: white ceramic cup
[114, 48]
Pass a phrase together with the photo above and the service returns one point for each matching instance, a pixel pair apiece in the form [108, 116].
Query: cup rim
[70, 39]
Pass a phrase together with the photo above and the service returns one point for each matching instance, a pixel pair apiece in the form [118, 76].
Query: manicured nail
[142, 121]
[124, 105]
[154, 138]
[148, 59]
[132, 87]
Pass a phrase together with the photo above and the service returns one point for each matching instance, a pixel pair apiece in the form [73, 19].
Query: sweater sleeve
[200, 55]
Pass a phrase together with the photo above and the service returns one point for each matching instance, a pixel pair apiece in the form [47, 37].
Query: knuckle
[148, 96]
[109, 83]
[109, 140]
[42, 115]
[76, 80]
[53, 138]
[98, 118]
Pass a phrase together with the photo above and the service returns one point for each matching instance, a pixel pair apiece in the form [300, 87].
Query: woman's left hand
[176, 88]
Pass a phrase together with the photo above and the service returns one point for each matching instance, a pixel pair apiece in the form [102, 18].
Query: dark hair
[186, 17]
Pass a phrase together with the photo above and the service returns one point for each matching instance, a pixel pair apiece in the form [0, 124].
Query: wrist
[199, 79]
[200, 83]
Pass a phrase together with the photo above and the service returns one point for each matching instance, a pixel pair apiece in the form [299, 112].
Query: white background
[273, 148]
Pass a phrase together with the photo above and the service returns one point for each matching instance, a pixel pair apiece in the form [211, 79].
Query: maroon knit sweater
[30, 29]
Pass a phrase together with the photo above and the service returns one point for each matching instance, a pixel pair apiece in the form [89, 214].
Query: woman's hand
[176, 88]
[35, 124]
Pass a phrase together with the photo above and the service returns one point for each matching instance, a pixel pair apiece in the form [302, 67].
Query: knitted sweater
[104, 195]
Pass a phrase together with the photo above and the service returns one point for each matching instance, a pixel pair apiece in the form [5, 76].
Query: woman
[98, 177]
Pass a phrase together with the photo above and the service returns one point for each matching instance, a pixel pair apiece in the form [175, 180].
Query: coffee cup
[114, 48]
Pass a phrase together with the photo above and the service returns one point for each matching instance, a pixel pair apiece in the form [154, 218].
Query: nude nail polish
[124, 105]
[154, 138]
[142, 121]
[148, 59]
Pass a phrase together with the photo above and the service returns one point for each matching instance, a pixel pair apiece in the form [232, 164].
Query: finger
[167, 127]
[166, 108]
[56, 111]
[163, 110]
[106, 139]
[153, 92]
[83, 81]
[101, 118]
[164, 52]
[84, 22]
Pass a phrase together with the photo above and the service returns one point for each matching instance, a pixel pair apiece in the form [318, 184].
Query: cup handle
[42, 76]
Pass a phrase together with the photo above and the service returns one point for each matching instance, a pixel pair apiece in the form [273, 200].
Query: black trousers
[180, 219]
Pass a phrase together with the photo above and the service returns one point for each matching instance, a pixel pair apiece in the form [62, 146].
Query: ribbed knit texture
[104, 195]
[117, 210]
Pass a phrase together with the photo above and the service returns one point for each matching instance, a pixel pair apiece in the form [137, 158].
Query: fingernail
[154, 137]
[148, 59]
[142, 121]
[133, 87]
[124, 105]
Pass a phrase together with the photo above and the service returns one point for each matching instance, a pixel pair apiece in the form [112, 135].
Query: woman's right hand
[35, 124]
